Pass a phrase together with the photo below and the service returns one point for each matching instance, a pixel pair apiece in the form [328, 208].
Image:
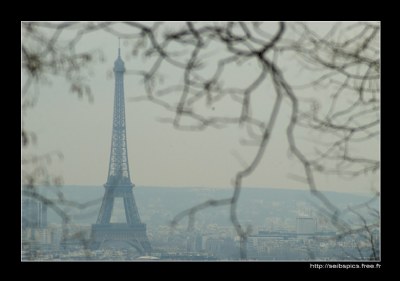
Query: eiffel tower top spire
[119, 65]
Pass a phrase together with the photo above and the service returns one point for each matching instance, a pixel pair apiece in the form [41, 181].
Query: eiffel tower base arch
[134, 235]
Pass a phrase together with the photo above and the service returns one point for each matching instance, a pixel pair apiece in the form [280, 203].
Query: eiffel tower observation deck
[119, 184]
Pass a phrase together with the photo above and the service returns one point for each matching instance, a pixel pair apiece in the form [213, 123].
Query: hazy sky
[159, 155]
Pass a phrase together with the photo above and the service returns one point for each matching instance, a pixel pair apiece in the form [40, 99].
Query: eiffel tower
[119, 184]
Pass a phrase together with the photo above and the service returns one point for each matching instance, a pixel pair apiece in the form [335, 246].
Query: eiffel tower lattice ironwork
[119, 184]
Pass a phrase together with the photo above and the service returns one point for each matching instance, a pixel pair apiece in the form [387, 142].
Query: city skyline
[276, 223]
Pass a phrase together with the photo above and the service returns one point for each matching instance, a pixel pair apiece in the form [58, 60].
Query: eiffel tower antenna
[119, 46]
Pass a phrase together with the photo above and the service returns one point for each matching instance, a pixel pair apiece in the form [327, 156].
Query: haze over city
[200, 141]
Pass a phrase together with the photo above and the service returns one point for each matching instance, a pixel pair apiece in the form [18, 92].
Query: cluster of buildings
[43, 241]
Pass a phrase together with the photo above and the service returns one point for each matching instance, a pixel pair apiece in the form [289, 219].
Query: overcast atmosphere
[245, 141]
[159, 154]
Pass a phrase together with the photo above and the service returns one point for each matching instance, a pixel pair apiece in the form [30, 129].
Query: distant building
[284, 245]
[34, 214]
[306, 225]
[194, 243]
[199, 243]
